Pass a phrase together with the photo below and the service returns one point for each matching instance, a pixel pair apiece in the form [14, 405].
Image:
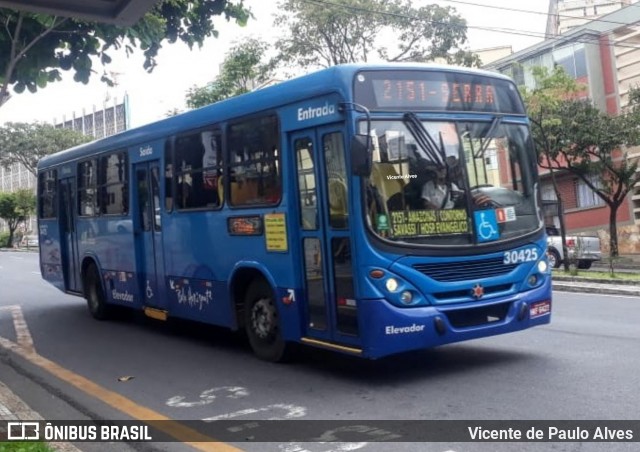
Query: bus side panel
[200, 257]
[194, 256]
[51, 253]
[111, 240]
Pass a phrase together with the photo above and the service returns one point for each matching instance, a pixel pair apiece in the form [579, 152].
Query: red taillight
[571, 242]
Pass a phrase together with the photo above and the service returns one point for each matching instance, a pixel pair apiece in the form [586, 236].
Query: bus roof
[335, 79]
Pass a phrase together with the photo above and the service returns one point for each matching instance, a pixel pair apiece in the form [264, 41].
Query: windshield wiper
[484, 145]
[425, 141]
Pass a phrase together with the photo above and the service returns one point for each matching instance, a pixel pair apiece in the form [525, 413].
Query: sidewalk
[13, 408]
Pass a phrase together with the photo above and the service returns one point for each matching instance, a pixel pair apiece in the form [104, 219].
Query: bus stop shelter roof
[120, 12]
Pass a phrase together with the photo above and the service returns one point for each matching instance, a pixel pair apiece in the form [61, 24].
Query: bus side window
[306, 184]
[198, 164]
[47, 194]
[87, 187]
[337, 184]
[168, 176]
[254, 162]
[113, 184]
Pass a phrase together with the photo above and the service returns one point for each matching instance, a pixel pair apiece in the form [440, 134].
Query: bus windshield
[451, 182]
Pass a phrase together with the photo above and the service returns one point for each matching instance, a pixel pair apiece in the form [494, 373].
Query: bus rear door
[148, 237]
[330, 309]
[68, 236]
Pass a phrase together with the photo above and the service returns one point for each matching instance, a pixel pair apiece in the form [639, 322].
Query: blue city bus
[365, 209]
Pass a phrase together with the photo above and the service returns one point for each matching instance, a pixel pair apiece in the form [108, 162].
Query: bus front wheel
[262, 323]
[94, 294]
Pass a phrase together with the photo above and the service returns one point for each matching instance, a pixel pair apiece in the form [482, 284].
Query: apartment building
[566, 15]
[604, 55]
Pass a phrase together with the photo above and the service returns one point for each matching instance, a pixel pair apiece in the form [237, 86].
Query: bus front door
[68, 236]
[148, 234]
[330, 307]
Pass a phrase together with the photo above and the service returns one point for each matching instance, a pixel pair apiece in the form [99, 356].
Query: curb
[13, 409]
[605, 282]
[591, 286]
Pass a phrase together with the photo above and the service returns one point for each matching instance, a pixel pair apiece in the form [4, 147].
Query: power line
[561, 38]
[539, 13]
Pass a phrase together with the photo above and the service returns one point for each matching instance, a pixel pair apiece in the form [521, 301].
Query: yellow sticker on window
[275, 229]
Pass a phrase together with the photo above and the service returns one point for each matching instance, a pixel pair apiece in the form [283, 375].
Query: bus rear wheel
[263, 324]
[94, 294]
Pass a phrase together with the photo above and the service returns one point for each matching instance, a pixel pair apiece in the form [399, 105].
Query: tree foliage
[15, 208]
[26, 143]
[575, 136]
[241, 70]
[543, 104]
[34, 48]
[325, 33]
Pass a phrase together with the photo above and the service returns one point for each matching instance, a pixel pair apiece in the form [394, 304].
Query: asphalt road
[583, 366]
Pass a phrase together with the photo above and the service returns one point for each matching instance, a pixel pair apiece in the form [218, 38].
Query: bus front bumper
[394, 330]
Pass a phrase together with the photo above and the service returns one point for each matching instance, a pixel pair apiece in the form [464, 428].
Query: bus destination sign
[436, 91]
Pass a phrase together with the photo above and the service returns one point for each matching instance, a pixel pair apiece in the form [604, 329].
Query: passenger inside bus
[438, 193]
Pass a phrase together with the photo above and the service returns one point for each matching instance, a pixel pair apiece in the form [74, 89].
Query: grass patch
[25, 446]
[626, 276]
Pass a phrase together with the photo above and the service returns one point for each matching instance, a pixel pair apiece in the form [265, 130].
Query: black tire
[554, 258]
[584, 265]
[94, 293]
[262, 323]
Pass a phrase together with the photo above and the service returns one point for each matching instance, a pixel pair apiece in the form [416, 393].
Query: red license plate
[539, 309]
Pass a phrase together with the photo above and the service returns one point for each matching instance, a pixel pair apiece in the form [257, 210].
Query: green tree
[575, 136]
[326, 33]
[35, 47]
[240, 71]
[26, 143]
[543, 107]
[595, 150]
[15, 208]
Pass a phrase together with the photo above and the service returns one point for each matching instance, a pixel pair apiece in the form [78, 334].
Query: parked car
[582, 249]
[30, 241]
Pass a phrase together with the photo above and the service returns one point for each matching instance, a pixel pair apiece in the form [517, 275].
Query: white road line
[23, 335]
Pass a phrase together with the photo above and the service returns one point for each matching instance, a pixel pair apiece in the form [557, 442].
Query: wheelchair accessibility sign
[486, 225]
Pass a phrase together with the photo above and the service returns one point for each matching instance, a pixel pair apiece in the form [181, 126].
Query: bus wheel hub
[263, 318]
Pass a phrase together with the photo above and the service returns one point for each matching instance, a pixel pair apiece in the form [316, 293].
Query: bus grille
[465, 270]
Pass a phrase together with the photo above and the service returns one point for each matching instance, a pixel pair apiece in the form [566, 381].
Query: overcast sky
[152, 95]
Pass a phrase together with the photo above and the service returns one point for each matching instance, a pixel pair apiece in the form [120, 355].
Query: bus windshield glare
[451, 182]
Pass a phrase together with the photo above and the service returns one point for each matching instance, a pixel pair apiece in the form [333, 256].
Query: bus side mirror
[361, 155]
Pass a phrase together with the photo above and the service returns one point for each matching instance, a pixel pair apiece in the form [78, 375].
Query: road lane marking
[127, 406]
[23, 335]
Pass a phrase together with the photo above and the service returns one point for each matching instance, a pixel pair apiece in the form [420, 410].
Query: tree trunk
[613, 231]
[563, 234]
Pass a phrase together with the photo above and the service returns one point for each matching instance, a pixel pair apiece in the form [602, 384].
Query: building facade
[604, 55]
[566, 15]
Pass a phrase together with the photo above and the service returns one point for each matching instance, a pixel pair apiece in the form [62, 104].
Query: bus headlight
[395, 289]
[391, 284]
[543, 266]
[406, 297]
